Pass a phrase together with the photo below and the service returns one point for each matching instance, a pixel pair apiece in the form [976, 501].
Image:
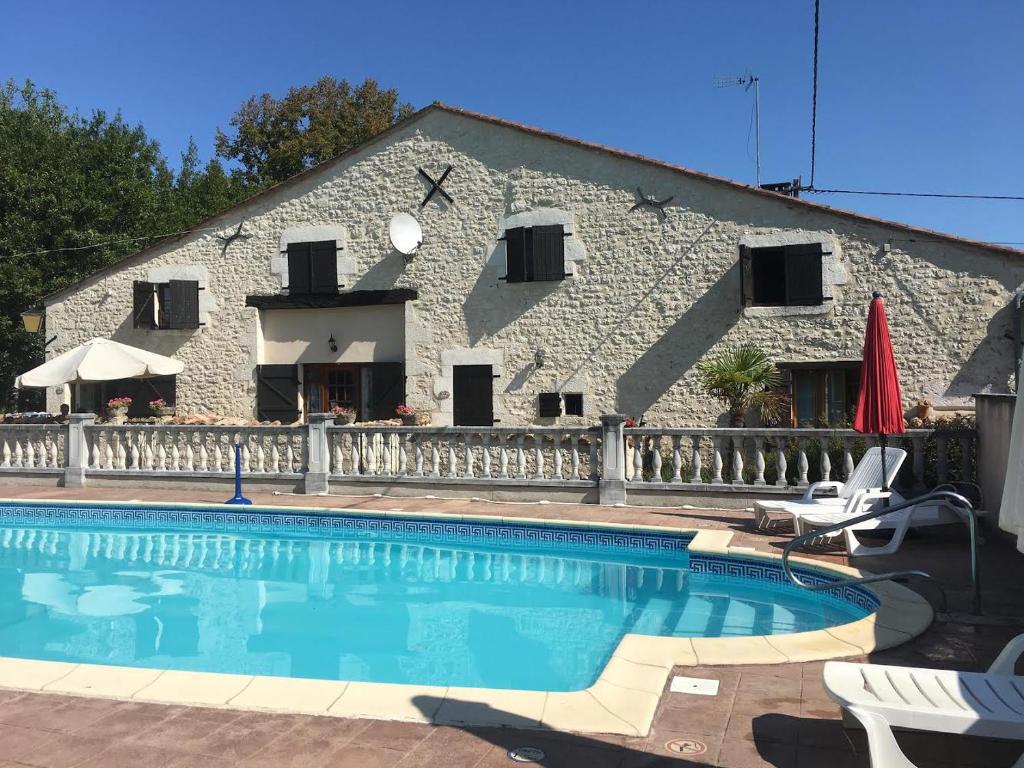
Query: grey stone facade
[646, 296]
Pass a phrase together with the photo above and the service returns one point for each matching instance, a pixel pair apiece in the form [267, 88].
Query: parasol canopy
[879, 404]
[99, 360]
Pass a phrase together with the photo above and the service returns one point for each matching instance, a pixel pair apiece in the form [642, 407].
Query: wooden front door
[473, 393]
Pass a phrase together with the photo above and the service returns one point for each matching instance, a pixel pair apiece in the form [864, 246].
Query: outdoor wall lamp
[332, 343]
[32, 319]
[539, 356]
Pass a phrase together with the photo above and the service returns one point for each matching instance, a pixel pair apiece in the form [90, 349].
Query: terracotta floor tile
[52, 712]
[360, 756]
[392, 735]
[61, 750]
[737, 753]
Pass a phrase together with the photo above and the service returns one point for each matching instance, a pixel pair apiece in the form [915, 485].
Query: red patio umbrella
[879, 405]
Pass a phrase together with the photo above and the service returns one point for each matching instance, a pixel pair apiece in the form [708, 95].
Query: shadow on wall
[382, 274]
[493, 304]
[166, 342]
[990, 364]
[689, 339]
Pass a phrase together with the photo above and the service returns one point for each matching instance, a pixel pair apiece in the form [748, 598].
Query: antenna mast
[747, 81]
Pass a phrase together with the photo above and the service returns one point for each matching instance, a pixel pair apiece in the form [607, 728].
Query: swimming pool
[363, 597]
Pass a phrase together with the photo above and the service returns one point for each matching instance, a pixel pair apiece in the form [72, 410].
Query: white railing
[195, 449]
[785, 457]
[33, 446]
[453, 453]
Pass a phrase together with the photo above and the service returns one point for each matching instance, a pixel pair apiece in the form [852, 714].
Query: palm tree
[744, 378]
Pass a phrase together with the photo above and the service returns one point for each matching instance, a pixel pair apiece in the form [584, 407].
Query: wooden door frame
[314, 374]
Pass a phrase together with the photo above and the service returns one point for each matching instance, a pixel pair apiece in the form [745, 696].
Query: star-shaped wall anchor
[646, 201]
[229, 239]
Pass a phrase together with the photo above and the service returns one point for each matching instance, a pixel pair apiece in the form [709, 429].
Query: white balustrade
[32, 446]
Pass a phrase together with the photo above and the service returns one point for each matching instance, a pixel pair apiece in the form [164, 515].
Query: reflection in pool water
[365, 610]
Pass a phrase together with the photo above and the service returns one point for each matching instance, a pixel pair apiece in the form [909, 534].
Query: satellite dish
[405, 233]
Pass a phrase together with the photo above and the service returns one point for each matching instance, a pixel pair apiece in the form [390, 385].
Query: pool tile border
[622, 701]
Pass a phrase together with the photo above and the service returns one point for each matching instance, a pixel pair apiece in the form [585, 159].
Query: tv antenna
[746, 81]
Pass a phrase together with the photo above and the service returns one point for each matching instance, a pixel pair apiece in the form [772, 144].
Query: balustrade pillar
[612, 485]
[317, 454]
[77, 449]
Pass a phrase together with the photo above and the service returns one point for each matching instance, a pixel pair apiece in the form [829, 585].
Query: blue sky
[919, 96]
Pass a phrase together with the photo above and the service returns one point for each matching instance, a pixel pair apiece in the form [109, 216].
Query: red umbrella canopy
[879, 405]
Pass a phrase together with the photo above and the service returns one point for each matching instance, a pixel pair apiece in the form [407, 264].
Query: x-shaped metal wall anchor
[651, 202]
[435, 186]
[236, 235]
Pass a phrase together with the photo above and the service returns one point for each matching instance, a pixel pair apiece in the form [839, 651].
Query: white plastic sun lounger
[988, 704]
[866, 476]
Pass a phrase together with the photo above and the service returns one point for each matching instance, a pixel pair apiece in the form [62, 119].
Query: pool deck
[763, 715]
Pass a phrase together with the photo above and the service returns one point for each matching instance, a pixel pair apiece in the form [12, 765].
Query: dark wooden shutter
[515, 255]
[277, 393]
[184, 304]
[387, 389]
[746, 276]
[298, 269]
[324, 267]
[549, 252]
[803, 275]
[549, 404]
[473, 395]
[143, 305]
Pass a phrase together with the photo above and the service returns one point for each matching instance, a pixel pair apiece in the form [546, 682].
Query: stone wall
[649, 295]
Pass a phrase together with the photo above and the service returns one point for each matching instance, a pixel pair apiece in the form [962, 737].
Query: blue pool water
[377, 599]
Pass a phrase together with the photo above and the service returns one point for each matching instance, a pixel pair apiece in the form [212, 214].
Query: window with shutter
[781, 276]
[387, 389]
[277, 393]
[143, 305]
[184, 304]
[573, 403]
[313, 267]
[534, 254]
[549, 404]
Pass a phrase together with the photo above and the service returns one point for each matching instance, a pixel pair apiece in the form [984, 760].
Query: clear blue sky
[921, 96]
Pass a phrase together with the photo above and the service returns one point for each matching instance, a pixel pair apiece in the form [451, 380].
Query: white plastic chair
[866, 476]
[988, 704]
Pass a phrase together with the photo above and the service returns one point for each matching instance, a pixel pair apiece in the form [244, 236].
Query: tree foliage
[69, 181]
[743, 378]
[274, 139]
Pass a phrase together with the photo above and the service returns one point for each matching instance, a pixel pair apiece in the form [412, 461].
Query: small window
[534, 254]
[549, 405]
[161, 306]
[573, 403]
[822, 394]
[313, 267]
[783, 276]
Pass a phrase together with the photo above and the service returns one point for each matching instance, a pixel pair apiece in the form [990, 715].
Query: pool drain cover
[686, 747]
[526, 754]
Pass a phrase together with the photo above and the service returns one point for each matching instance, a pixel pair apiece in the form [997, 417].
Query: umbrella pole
[238, 498]
[885, 472]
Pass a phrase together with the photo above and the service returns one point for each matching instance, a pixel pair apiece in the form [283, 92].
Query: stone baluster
[520, 457]
[759, 465]
[677, 459]
[848, 464]
[453, 459]
[502, 456]
[55, 452]
[574, 458]
[30, 452]
[965, 458]
[942, 458]
[175, 452]
[385, 454]
[122, 454]
[638, 459]
[230, 449]
[655, 459]
[595, 471]
[261, 454]
[190, 454]
[354, 452]
[337, 454]
[417, 444]
[204, 457]
[246, 456]
[5, 453]
[485, 455]
[737, 461]
[435, 458]
[716, 464]
[801, 462]
[108, 451]
[275, 456]
[218, 457]
[146, 450]
[917, 444]
[695, 460]
[371, 458]
[289, 456]
[538, 457]
[556, 464]
[826, 461]
[781, 465]
[93, 464]
[467, 455]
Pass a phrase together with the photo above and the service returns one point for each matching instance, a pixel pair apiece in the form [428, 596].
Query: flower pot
[167, 410]
[343, 419]
[408, 419]
[118, 415]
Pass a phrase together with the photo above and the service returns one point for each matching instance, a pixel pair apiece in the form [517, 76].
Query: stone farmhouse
[554, 283]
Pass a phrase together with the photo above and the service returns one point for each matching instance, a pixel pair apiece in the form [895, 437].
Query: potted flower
[407, 414]
[117, 408]
[159, 407]
[343, 415]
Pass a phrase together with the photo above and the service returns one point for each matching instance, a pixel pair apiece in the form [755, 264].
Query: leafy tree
[77, 193]
[743, 378]
[274, 139]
